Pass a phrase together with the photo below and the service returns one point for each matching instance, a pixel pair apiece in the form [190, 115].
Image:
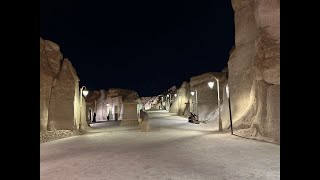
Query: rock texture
[254, 69]
[144, 124]
[59, 91]
[180, 104]
[113, 103]
[208, 98]
[146, 101]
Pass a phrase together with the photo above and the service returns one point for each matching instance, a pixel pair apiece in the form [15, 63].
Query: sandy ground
[173, 149]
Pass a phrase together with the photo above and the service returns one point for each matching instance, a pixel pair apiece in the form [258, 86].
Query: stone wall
[59, 90]
[254, 69]
[180, 104]
[130, 115]
[110, 103]
[146, 101]
[62, 113]
[49, 54]
[208, 98]
[144, 121]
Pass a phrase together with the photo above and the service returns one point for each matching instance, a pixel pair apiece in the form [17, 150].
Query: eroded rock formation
[207, 98]
[59, 90]
[110, 103]
[180, 103]
[254, 69]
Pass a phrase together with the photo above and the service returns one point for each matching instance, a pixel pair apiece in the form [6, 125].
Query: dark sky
[147, 46]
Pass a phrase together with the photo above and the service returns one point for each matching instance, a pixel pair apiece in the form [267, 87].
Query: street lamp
[211, 84]
[228, 95]
[83, 92]
[162, 103]
[192, 93]
[175, 95]
[168, 101]
[169, 96]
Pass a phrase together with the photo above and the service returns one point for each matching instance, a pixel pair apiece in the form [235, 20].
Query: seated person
[192, 118]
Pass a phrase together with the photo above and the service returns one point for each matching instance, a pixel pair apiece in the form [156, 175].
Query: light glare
[211, 84]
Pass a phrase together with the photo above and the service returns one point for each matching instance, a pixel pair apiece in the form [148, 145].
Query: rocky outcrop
[110, 103]
[180, 103]
[254, 69]
[144, 124]
[146, 102]
[207, 106]
[59, 91]
[50, 64]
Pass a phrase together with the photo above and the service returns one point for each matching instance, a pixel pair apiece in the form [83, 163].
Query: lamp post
[163, 103]
[192, 93]
[228, 95]
[168, 101]
[178, 102]
[211, 84]
[83, 92]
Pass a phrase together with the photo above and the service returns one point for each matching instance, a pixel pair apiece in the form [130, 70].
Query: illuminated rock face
[180, 103]
[59, 90]
[254, 69]
[147, 102]
[207, 98]
[113, 104]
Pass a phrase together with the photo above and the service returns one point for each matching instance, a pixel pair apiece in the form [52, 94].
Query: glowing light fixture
[85, 92]
[192, 93]
[227, 90]
[210, 84]
[175, 95]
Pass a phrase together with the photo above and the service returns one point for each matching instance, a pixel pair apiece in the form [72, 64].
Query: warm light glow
[227, 90]
[85, 92]
[175, 95]
[211, 84]
[167, 95]
[192, 93]
[107, 104]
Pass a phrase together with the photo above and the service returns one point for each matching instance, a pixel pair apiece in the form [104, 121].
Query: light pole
[169, 100]
[175, 97]
[192, 93]
[169, 96]
[163, 103]
[228, 95]
[83, 92]
[211, 84]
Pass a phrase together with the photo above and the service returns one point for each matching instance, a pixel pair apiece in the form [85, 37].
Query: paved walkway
[173, 149]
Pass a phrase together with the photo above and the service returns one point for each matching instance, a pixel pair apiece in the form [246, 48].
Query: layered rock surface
[59, 90]
[207, 106]
[110, 103]
[254, 69]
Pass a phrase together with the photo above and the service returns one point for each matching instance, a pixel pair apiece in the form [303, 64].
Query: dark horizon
[145, 46]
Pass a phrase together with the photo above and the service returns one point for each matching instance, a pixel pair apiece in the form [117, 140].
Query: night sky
[147, 46]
